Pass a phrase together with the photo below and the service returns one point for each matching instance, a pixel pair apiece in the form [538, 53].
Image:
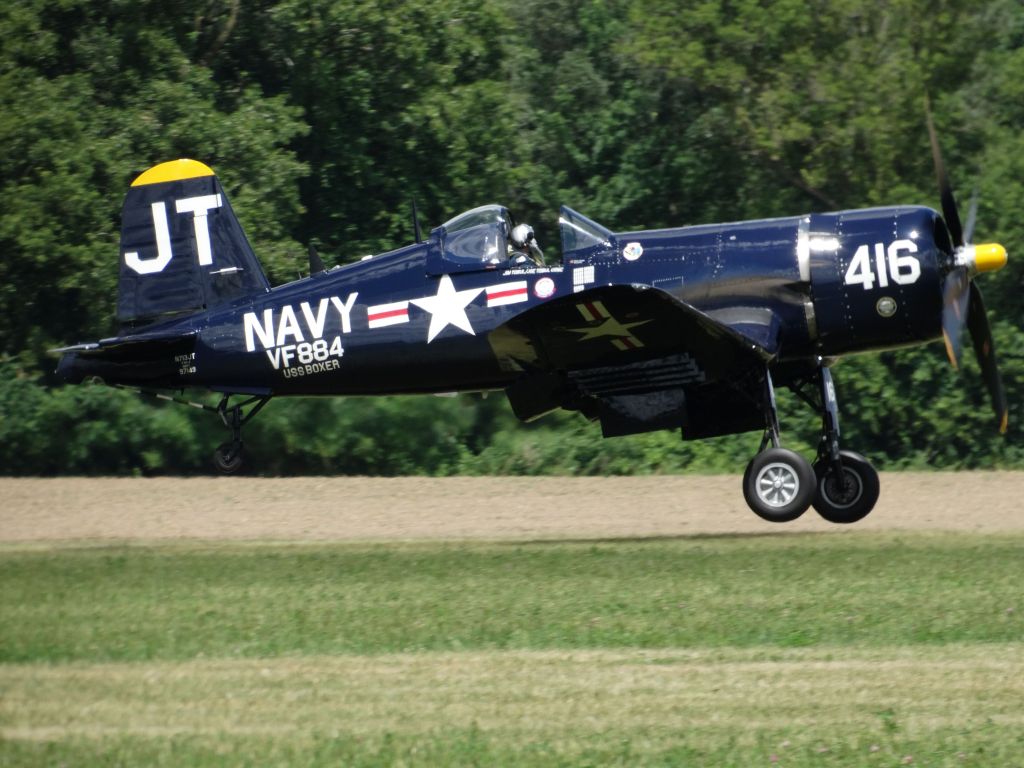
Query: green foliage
[379, 436]
[907, 410]
[833, 111]
[401, 102]
[567, 445]
[91, 94]
[324, 118]
[92, 429]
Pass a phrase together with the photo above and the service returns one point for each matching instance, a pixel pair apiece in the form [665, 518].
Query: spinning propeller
[961, 298]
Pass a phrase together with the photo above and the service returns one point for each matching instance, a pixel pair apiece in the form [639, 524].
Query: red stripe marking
[385, 315]
[502, 294]
[596, 311]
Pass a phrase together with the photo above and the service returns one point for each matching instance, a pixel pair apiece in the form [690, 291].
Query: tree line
[323, 118]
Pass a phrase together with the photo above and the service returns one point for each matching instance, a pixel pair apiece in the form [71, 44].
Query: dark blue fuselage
[409, 321]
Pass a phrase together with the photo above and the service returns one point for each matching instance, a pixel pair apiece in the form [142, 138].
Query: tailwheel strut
[229, 457]
[778, 484]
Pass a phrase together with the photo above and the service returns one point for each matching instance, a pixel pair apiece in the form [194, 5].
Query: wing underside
[638, 360]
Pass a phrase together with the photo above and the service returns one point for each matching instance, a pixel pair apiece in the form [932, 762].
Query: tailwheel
[851, 498]
[779, 485]
[229, 457]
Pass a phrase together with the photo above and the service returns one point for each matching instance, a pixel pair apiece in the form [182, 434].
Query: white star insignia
[448, 307]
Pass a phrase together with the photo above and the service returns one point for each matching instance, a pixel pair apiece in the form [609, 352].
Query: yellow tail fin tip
[173, 170]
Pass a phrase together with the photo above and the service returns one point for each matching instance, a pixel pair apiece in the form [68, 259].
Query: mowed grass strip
[540, 692]
[951, 705]
[858, 649]
[182, 602]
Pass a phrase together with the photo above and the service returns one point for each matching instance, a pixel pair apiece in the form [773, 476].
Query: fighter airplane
[688, 329]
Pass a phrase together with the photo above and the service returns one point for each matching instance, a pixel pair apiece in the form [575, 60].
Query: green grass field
[857, 649]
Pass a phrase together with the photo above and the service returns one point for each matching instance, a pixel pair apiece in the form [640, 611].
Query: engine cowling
[876, 276]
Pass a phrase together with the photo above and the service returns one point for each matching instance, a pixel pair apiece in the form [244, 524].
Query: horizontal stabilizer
[136, 359]
[119, 342]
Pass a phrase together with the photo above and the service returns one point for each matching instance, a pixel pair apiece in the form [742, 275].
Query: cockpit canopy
[476, 239]
[582, 237]
[479, 239]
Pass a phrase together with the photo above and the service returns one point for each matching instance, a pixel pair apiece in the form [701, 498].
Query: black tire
[746, 472]
[779, 485]
[852, 503]
[229, 458]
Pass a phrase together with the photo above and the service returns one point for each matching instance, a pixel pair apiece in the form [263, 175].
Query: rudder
[182, 248]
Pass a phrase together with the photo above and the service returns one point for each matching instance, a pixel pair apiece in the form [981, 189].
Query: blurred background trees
[323, 118]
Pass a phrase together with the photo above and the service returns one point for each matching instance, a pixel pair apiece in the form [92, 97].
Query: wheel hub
[777, 484]
[842, 493]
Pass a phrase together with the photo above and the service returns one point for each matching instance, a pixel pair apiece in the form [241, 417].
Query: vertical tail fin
[182, 249]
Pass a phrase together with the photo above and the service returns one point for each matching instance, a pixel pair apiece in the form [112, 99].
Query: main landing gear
[779, 484]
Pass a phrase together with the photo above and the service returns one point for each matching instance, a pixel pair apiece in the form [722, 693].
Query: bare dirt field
[520, 508]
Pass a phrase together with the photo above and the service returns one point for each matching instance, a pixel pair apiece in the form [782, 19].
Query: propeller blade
[955, 296]
[972, 217]
[949, 210]
[981, 335]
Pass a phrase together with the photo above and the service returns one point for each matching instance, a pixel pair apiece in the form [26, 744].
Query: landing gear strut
[847, 485]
